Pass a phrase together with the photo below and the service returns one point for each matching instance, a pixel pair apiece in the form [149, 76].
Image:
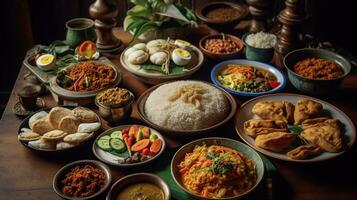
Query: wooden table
[24, 174]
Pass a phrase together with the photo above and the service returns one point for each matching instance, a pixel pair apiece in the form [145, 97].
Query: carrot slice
[146, 132]
[133, 130]
[156, 146]
[140, 145]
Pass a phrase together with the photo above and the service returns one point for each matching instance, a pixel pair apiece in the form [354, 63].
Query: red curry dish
[318, 69]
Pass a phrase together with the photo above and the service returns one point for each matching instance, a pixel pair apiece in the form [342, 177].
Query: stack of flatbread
[61, 128]
[271, 131]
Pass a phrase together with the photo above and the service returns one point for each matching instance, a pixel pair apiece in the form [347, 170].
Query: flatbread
[42, 126]
[54, 135]
[84, 115]
[69, 124]
[56, 114]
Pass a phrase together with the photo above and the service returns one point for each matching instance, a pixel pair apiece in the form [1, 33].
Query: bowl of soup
[139, 186]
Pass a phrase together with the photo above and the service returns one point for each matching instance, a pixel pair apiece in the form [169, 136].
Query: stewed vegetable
[246, 78]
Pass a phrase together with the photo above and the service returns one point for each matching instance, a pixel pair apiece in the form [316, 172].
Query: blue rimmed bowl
[222, 65]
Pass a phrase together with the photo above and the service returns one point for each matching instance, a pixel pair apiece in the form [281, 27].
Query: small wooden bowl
[187, 133]
[219, 56]
[202, 11]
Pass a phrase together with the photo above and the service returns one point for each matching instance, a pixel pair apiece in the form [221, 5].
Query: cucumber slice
[117, 144]
[105, 137]
[104, 144]
[116, 134]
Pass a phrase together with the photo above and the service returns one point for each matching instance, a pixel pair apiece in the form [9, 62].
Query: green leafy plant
[157, 15]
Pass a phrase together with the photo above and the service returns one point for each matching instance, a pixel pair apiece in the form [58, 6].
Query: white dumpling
[129, 51]
[153, 50]
[88, 127]
[37, 116]
[138, 57]
[24, 130]
[64, 145]
[158, 58]
[76, 137]
[154, 43]
[141, 46]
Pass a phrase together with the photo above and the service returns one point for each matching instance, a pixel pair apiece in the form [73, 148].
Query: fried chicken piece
[306, 109]
[304, 151]
[275, 110]
[255, 127]
[327, 137]
[275, 141]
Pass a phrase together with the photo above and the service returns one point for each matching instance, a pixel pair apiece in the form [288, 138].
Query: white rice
[178, 115]
[261, 40]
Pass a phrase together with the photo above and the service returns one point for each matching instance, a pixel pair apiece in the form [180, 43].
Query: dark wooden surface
[25, 174]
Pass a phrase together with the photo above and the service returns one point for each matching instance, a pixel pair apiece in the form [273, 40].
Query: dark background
[28, 22]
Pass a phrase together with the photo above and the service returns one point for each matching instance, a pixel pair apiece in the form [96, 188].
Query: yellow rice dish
[217, 172]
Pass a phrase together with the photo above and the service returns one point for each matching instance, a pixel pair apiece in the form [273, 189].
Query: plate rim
[353, 134]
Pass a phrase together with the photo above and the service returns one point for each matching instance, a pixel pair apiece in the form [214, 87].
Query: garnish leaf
[295, 129]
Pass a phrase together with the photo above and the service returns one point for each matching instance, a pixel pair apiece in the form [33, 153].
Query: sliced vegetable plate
[129, 145]
[245, 113]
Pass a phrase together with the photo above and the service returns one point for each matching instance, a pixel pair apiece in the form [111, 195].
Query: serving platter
[113, 160]
[244, 113]
[25, 122]
[154, 77]
[61, 95]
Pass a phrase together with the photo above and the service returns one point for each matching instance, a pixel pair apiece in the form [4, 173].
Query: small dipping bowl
[138, 178]
[28, 96]
[60, 175]
[257, 54]
[115, 113]
[221, 56]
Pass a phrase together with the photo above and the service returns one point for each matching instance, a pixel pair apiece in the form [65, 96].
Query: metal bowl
[64, 170]
[311, 86]
[188, 148]
[222, 65]
[178, 133]
[116, 113]
[138, 178]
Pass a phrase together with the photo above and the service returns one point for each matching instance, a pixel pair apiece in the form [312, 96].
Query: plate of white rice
[186, 107]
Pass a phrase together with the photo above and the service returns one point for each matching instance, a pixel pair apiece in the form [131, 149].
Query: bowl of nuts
[221, 46]
[115, 104]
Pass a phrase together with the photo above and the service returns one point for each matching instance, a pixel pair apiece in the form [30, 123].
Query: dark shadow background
[28, 22]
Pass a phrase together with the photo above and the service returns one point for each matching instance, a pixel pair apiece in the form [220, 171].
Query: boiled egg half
[46, 62]
[181, 56]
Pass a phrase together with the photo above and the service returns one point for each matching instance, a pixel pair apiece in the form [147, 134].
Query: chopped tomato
[145, 151]
[87, 49]
[274, 84]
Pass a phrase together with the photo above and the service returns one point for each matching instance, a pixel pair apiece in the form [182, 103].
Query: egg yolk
[46, 59]
[184, 43]
[182, 53]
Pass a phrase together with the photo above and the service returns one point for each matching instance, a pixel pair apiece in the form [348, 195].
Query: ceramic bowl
[217, 56]
[221, 25]
[257, 54]
[60, 175]
[222, 65]
[111, 159]
[311, 86]
[138, 178]
[188, 133]
[188, 148]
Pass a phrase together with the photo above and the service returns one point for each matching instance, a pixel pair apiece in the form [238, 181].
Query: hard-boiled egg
[181, 56]
[46, 62]
[182, 44]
